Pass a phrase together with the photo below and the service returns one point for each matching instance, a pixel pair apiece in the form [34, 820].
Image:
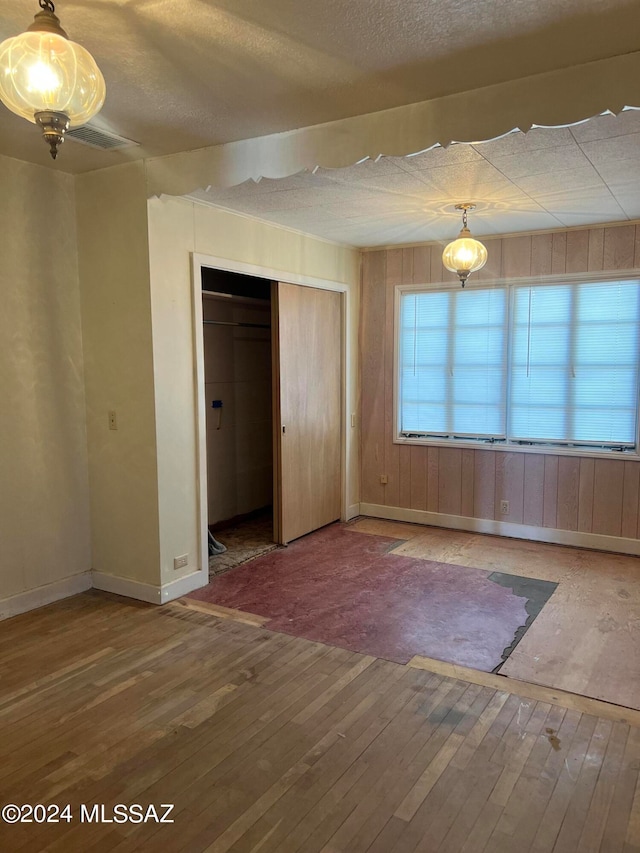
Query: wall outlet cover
[180, 562]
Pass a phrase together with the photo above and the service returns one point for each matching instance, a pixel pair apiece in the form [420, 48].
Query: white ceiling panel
[456, 153]
[538, 162]
[518, 183]
[604, 126]
[521, 143]
[563, 182]
[612, 150]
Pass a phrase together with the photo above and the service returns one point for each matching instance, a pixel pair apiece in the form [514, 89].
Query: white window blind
[574, 368]
[453, 363]
[553, 364]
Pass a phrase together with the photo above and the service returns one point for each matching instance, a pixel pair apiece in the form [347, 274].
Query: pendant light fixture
[465, 254]
[49, 79]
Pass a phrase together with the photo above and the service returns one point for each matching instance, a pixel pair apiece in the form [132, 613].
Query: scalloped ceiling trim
[554, 99]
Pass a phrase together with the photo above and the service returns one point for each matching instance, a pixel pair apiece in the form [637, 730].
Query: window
[551, 364]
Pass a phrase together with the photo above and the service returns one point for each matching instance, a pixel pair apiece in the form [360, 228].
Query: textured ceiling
[548, 178]
[183, 74]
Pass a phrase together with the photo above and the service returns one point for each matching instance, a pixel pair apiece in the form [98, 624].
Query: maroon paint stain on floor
[343, 588]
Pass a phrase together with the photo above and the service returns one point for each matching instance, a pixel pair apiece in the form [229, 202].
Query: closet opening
[239, 389]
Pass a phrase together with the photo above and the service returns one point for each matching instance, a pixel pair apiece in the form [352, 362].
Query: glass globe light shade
[43, 71]
[464, 255]
[48, 79]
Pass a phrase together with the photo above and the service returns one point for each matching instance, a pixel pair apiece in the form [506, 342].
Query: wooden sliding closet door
[307, 426]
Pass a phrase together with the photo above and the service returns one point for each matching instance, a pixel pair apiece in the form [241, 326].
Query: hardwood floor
[273, 744]
[586, 639]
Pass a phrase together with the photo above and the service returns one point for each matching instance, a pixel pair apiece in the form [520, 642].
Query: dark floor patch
[536, 593]
[553, 739]
[345, 588]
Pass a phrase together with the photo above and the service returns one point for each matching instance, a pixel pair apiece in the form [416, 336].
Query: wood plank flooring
[586, 639]
[268, 743]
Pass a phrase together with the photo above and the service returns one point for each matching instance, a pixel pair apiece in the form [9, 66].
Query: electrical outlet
[180, 562]
[384, 479]
[353, 421]
[504, 507]
[113, 421]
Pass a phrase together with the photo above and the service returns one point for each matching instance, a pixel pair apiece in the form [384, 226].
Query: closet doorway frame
[198, 261]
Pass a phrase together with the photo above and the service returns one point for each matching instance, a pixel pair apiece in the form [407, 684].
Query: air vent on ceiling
[97, 138]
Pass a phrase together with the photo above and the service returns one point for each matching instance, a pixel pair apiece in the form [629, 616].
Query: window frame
[583, 450]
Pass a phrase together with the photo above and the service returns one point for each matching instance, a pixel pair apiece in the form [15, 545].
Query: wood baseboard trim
[43, 595]
[220, 612]
[536, 692]
[550, 535]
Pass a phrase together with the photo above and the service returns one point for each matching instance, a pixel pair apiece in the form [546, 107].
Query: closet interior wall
[237, 355]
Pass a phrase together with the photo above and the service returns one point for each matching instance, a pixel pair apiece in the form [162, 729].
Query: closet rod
[246, 325]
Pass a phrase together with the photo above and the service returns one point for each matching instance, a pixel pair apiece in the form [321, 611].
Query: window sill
[519, 448]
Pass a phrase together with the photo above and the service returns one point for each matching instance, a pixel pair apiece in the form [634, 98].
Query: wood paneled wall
[564, 492]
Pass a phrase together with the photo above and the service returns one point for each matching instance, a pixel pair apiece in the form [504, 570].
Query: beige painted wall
[44, 517]
[116, 319]
[569, 493]
[178, 227]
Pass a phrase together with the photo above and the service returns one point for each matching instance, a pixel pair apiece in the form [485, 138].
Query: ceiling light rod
[465, 254]
[49, 79]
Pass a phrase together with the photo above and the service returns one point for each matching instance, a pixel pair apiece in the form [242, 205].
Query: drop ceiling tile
[514, 220]
[467, 179]
[562, 183]
[583, 207]
[573, 220]
[628, 197]
[457, 152]
[284, 200]
[516, 166]
[306, 218]
[631, 205]
[399, 181]
[517, 142]
[253, 188]
[603, 152]
[376, 168]
[619, 175]
[436, 227]
[335, 193]
[444, 174]
[349, 235]
[606, 126]
[373, 210]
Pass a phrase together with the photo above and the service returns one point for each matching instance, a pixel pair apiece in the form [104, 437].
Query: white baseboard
[30, 600]
[34, 598]
[552, 535]
[352, 511]
[42, 595]
[183, 586]
[150, 592]
[127, 587]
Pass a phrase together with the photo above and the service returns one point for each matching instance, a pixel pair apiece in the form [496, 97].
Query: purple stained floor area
[344, 588]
